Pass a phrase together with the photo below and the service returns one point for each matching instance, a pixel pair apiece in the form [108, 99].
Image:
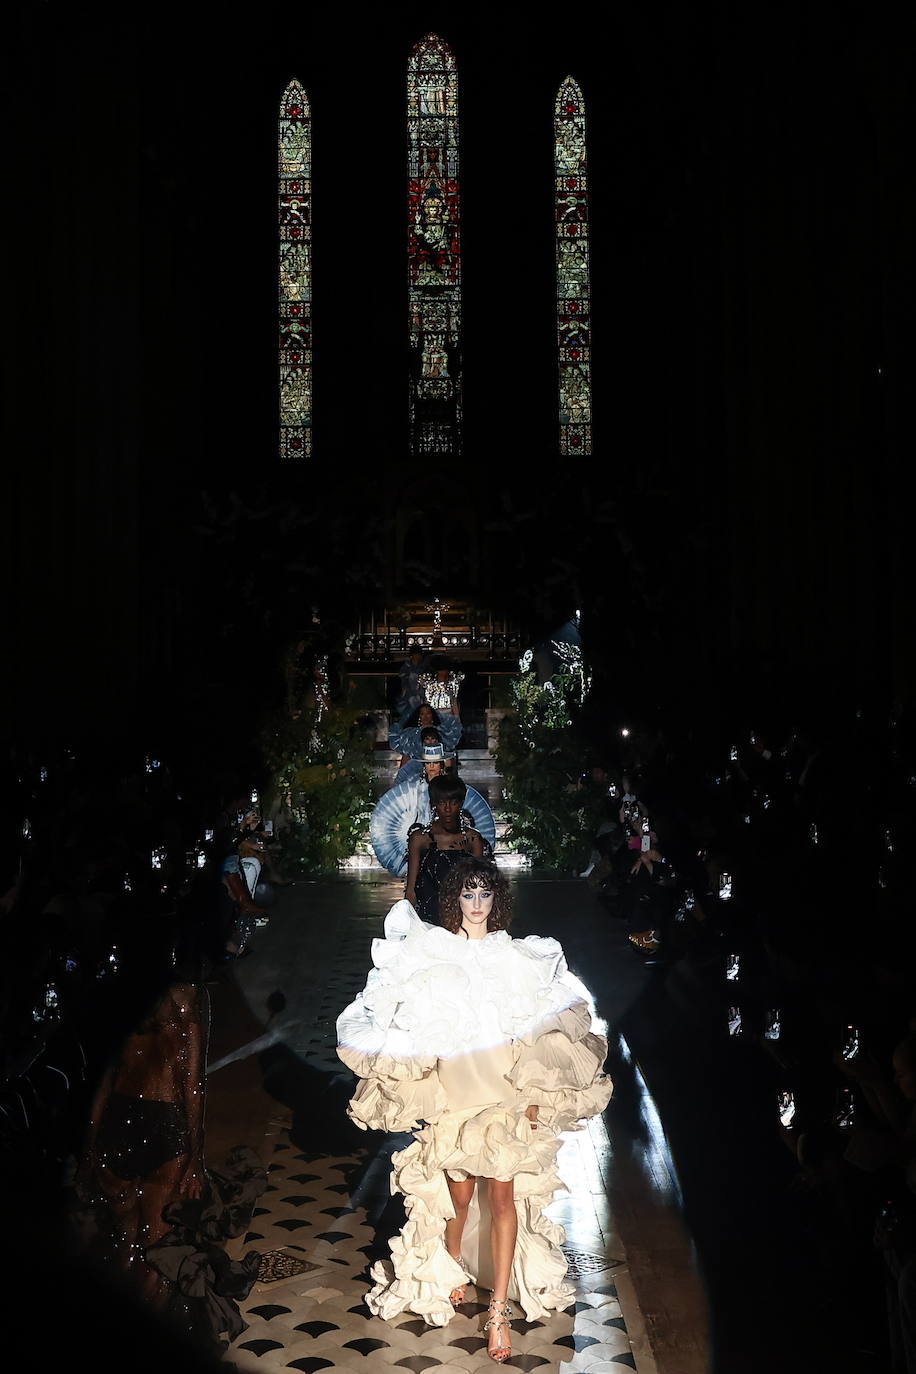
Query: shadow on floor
[320, 1126]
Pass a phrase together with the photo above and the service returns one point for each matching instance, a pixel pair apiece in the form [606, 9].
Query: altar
[482, 645]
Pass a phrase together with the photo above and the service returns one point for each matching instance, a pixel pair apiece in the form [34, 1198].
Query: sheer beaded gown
[144, 1146]
[453, 1039]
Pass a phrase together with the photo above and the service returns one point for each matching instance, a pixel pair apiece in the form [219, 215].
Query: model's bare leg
[461, 1194]
[503, 1233]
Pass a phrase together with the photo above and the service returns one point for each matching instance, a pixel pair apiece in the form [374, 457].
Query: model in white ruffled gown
[483, 1048]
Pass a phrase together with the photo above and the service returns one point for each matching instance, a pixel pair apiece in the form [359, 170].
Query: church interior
[564, 397]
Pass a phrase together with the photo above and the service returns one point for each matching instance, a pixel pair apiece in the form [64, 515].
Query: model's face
[426, 716]
[448, 810]
[432, 771]
[475, 904]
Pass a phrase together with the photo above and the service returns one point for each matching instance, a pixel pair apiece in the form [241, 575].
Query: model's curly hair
[473, 872]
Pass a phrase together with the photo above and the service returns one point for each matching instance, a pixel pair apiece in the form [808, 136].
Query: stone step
[505, 858]
[364, 858]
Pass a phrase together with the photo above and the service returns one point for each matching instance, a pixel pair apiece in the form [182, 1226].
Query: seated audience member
[889, 1148]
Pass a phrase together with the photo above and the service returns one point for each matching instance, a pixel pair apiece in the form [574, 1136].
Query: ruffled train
[410, 1039]
[493, 1143]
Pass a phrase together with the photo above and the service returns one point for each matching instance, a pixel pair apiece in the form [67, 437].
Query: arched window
[573, 324]
[434, 263]
[295, 279]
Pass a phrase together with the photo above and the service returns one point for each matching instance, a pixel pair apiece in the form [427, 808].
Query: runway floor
[275, 1082]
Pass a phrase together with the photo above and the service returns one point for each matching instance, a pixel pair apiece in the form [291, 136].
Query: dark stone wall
[752, 229]
[74, 373]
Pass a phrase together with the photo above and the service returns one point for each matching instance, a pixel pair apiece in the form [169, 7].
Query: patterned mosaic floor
[327, 1216]
[316, 1229]
[314, 1214]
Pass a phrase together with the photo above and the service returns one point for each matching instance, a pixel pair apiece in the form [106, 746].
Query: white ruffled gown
[464, 1035]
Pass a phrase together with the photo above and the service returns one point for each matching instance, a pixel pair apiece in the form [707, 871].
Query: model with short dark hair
[433, 848]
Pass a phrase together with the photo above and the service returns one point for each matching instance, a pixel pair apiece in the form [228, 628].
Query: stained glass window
[573, 324]
[433, 249]
[295, 175]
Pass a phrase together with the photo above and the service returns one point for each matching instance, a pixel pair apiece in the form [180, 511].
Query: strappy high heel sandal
[500, 1315]
[458, 1295]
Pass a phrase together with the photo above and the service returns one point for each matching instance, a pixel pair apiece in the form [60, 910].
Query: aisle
[328, 1212]
[319, 1212]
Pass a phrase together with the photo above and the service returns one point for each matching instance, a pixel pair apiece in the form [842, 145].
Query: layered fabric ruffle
[393, 1095]
[432, 993]
[559, 1067]
[493, 1143]
[499, 1018]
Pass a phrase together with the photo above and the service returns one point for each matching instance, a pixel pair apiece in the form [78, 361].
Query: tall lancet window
[433, 249]
[295, 172]
[573, 324]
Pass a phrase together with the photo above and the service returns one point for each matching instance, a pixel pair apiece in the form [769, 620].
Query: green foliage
[320, 773]
[501, 694]
[540, 760]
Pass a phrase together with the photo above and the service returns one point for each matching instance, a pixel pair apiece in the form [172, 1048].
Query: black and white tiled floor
[328, 1205]
[317, 1319]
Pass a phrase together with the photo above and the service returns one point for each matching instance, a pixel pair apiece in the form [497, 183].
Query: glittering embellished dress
[463, 1035]
[435, 866]
[441, 696]
[144, 1147]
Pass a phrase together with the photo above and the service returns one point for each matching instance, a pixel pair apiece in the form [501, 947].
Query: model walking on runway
[482, 1046]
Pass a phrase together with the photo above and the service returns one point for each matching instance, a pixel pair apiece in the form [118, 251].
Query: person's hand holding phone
[863, 1068]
